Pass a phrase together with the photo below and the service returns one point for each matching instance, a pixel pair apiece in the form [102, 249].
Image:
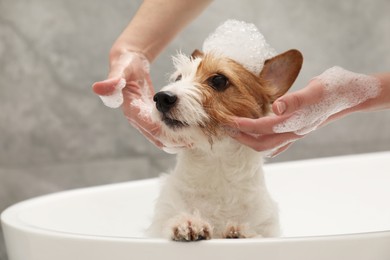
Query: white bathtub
[332, 208]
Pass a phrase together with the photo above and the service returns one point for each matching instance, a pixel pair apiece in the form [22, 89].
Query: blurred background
[55, 134]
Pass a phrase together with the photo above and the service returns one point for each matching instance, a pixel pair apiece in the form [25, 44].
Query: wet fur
[217, 188]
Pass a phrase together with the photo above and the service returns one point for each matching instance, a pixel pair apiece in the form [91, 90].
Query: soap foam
[241, 42]
[116, 98]
[126, 60]
[342, 90]
[145, 102]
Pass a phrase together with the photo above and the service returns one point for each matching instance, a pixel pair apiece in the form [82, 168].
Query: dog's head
[207, 90]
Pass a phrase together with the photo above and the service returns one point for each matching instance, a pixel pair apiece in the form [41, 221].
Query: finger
[263, 125]
[149, 130]
[132, 91]
[136, 113]
[292, 102]
[152, 131]
[152, 139]
[266, 142]
[280, 150]
[247, 140]
[149, 85]
[143, 122]
[141, 88]
[105, 87]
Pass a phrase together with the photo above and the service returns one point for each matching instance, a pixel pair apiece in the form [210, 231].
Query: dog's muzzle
[165, 101]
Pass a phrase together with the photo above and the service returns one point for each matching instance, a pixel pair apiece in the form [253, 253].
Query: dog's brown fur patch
[247, 95]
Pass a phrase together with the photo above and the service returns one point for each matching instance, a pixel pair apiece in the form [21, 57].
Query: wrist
[119, 48]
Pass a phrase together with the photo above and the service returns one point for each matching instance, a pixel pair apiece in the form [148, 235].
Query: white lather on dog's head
[209, 89]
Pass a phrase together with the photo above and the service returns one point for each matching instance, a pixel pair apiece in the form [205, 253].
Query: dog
[217, 188]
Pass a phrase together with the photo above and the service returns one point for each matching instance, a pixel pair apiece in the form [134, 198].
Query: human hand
[129, 85]
[332, 95]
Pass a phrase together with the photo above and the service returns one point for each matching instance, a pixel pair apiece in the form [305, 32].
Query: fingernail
[280, 107]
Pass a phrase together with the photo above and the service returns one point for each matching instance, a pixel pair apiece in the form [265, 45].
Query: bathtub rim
[10, 221]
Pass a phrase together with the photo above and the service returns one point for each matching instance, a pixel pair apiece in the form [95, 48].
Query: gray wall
[55, 133]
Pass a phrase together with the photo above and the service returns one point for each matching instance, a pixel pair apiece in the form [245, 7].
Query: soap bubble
[116, 98]
[343, 89]
[241, 42]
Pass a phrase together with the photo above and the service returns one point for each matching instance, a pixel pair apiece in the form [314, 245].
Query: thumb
[289, 103]
[105, 87]
[110, 91]
[116, 73]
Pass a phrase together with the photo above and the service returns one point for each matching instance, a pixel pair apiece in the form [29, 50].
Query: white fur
[215, 190]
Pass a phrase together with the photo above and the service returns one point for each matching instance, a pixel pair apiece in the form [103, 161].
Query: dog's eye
[178, 77]
[219, 82]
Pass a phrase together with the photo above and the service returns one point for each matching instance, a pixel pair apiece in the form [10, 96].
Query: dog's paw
[237, 231]
[190, 228]
[233, 232]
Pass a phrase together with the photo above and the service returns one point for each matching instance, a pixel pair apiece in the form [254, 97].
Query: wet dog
[217, 188]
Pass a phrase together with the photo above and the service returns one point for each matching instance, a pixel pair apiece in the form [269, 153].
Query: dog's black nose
[165, 100]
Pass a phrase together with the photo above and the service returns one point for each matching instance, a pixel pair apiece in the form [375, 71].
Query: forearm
[155, 24]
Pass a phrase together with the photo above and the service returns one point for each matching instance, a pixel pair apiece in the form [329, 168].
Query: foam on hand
[342, 90]
[144, 103]
[115, 100]
[241, 42]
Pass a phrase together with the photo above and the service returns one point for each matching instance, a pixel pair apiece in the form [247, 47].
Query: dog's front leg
[188, 227]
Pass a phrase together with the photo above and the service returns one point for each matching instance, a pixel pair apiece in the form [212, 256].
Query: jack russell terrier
[217, 188]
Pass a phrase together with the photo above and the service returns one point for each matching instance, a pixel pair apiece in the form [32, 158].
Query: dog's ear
[197, 54]
[280, 72]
